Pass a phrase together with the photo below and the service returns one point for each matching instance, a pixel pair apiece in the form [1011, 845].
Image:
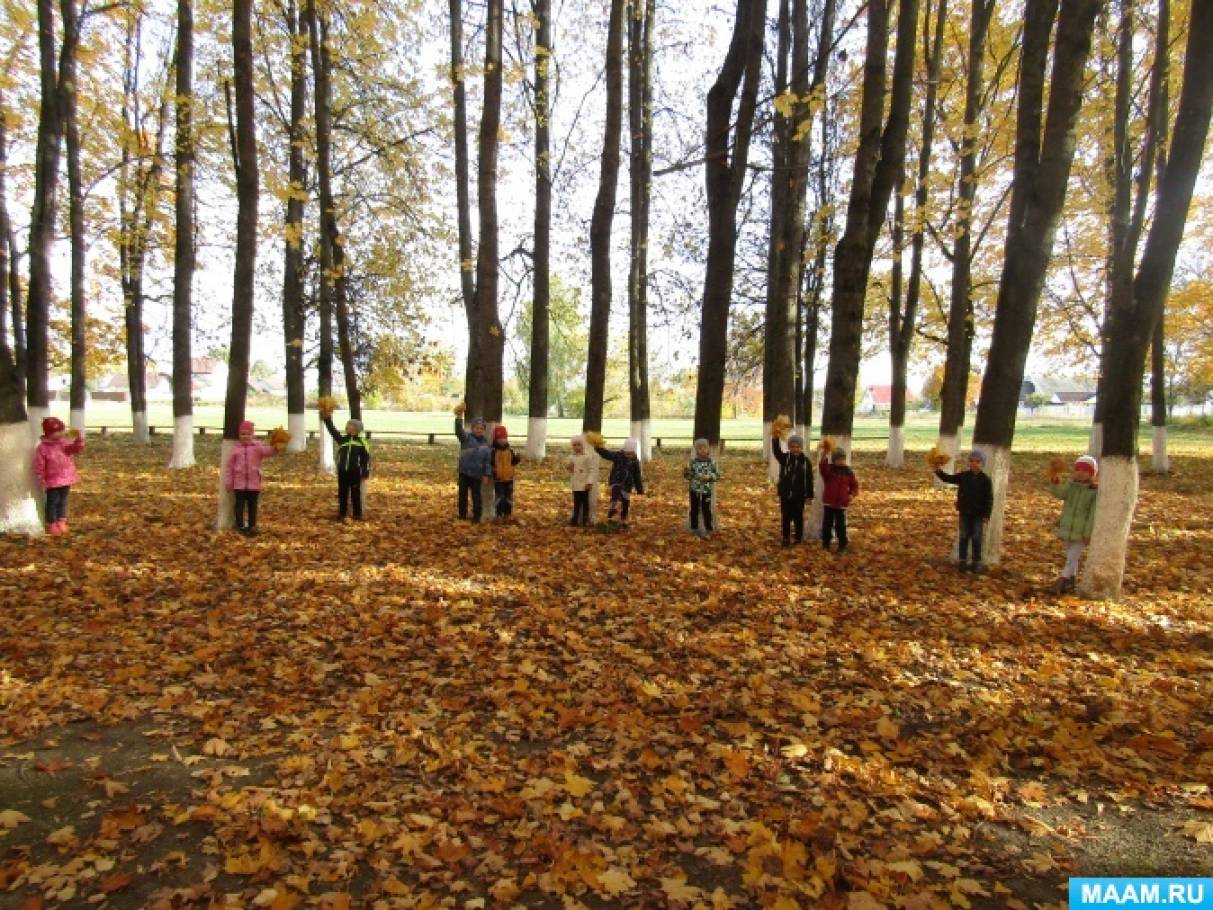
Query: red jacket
[840, 484]
[53, 463]
[243, 471]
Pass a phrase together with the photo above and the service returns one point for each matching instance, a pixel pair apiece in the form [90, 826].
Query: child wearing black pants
[701, 475]
[840, 487]
[353, 457]
[795, 486]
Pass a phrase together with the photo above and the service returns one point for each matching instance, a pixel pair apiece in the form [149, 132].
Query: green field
[870, 432]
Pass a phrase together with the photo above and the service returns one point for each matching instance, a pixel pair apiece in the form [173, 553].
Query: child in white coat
[583, 480]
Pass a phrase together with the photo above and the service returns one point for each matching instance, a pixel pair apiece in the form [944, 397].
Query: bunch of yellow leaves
[279, 438]
[594, 439]
[327, 405]
[827, 445]
[1057, 469]
[937, 458]
[780, 427]
[460, 408]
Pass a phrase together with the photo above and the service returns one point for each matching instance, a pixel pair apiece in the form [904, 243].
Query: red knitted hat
[500, 432]
[246, 426]
[51, 425]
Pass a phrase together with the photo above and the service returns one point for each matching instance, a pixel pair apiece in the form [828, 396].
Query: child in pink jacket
[243, 476]
[55, 470]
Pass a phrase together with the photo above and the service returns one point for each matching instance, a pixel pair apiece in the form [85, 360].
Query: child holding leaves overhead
[974, 502]
[795, 482]
[353, 456]
[840, 487]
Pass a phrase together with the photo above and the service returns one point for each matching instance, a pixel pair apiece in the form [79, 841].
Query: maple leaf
[11, 818]
[677, 889]
[615, 881]
[577, 785]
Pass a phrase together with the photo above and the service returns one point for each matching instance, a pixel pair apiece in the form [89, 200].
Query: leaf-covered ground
[417, 712]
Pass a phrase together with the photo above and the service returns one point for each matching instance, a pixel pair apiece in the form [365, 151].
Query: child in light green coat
[1077, 516]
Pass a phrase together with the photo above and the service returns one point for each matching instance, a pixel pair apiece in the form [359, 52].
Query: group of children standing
[482, 461]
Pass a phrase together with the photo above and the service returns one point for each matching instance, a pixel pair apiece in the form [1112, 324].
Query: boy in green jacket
[1077, 516]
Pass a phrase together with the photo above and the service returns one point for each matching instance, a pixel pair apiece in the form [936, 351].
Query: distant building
[1058, 395]
[878, 399]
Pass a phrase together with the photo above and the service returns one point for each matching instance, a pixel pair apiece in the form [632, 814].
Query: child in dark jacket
[475, 464]
[974, 502]
[795, 486]
[504, 460]
[839, 489]
[624, 480]
[353, 457]
[56, 470]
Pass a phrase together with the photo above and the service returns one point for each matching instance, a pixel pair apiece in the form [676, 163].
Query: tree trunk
[334, 275]
[467, 283]
[895, 450]
[724, 179]
[183, 252]
[71, 132]
[138, 190]
[786, 249]
[600, 225]
[18, 508]
[879, 162]
[955, 390]
[1042, 168]
[246, 245]
[294, 320]
[323, 295]
[491, 336]
[640, 170]
[1132, 317]
[904, 322]
[537, 425]
[42, 219]
[1158, 399]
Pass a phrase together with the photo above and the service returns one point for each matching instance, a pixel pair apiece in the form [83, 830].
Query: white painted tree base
[1161, 461]
[1095, 441]
[951, 445]
[998, 466]
[768, 451]
[325, 452]
[183, 443]
[642, 432]
[813, 520]
[139, 428]
[895, 453]
[18, 503]
[225, 518]
[36, 416]
[1105, 569]
[536, 438]
[296, 425]
[76, 420]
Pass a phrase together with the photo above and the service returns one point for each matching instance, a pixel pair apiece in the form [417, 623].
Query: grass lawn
[1032, 434]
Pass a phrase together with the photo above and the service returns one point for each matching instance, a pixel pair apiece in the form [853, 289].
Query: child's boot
[63, 528]
[53, 529]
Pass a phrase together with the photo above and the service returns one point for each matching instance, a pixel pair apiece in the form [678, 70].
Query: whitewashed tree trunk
[1095, 442]
[18, 499]
[296, 425]
[325, 451]
[183, 442]
[895, 453]
[76, 420]
[998, 466]
[364, 490]
[139, 427]
[1105, 567]
[951, 445]
[768, 452]
[642, 431]
[817, 510]
[36, 416]
[1161, 463]
[226, 516]
[536, 438]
